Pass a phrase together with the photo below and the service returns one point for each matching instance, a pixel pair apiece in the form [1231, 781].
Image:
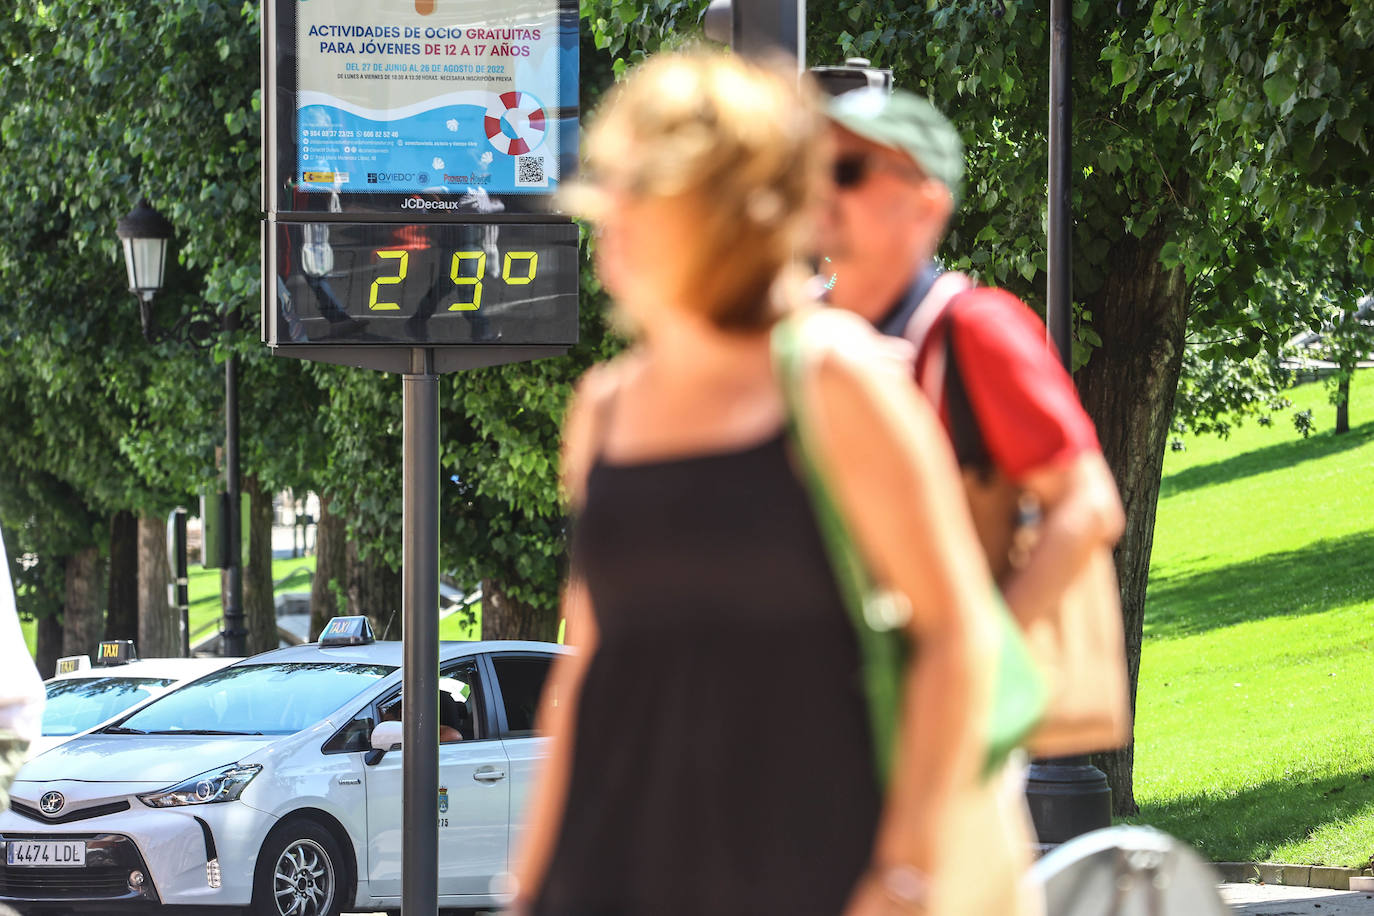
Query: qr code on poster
[529, 172]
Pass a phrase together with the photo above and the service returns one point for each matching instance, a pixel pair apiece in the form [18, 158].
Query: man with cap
[1008, 405]
[1002, 394]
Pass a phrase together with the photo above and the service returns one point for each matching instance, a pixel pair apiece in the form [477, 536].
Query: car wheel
[300, 872]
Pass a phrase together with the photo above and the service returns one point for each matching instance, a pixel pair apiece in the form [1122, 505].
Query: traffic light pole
[420, 637]
[761, 27]
[176, 590]
[235, 637]
[1059, 270]
[1067, 796]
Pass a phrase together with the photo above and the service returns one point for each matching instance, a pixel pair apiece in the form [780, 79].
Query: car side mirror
[385, 737]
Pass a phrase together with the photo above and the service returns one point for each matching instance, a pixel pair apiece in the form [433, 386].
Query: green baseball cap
[907, 123]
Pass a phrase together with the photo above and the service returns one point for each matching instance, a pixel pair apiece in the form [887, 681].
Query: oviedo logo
[51, 803]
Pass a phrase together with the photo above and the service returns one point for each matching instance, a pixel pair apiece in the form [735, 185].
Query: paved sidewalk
[1278, 900]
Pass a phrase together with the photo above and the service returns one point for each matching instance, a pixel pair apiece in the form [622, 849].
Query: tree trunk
[374, 590]
[505, 618]
[48, 645]
[82, 622]
[259, 604]
[121, 610]
[159, 624]
[331, 567]
[1343, 401]
[1128, 389]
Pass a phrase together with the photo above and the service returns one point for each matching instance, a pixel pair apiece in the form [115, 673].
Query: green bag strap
[882, 649]
[1019, 692]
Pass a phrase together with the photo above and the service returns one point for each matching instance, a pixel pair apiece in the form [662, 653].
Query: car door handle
[489, 774]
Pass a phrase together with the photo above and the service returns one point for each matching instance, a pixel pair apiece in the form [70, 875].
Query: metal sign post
[410, 156]
[420, 630]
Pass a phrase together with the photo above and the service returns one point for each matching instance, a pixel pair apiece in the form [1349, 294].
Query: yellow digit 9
[475, 281]
[403, 259]
[531, 259]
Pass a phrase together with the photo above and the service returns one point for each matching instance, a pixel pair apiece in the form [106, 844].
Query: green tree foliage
[1218, 143]
[1215, 142]
[168, 107]
[1346, 339]
[107, 102]
[1214, 396]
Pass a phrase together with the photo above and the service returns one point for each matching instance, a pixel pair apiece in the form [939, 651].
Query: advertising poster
[433, 97]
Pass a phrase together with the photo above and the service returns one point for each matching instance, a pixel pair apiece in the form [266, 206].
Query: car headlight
[220, 785]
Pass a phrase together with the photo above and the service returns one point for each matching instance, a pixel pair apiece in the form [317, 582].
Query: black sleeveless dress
[722, 761]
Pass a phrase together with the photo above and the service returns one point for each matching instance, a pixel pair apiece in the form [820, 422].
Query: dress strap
[603, 414]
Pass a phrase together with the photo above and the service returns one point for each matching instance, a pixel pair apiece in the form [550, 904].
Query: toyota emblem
[51, 803]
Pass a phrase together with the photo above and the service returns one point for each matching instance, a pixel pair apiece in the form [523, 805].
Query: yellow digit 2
[531, 259]
[475, 281]
[402, 258]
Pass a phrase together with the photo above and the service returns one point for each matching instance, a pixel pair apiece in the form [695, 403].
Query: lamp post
[144, 233]
[1067, 796]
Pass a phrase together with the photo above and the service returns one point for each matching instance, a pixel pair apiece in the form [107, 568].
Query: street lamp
[144, 233]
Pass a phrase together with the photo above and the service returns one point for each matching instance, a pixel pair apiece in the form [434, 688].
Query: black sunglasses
[850, 171]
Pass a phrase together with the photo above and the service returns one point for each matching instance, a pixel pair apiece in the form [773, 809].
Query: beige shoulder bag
[1079, 646]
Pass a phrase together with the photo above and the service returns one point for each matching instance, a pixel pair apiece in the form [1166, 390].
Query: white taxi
[80, 697]
[257, 786]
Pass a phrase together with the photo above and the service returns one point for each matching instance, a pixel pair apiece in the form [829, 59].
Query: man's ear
[936, 203]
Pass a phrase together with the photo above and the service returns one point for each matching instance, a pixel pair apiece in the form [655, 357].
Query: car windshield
[267, 699]
[76, 704]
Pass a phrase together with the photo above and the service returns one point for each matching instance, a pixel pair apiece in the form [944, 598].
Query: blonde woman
[711, 752]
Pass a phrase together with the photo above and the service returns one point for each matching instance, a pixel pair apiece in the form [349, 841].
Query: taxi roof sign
[346, 631]
[116, 652]
[69, 663]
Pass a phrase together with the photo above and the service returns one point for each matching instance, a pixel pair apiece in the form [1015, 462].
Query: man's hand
[872, 898]
[1080, 512]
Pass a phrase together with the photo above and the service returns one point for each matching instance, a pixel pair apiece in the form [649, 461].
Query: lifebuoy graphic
[515, 123]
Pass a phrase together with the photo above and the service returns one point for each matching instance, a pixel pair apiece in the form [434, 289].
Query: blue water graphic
[443, 150]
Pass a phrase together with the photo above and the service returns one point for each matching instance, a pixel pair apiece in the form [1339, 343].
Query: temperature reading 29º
[467, 271]
[437, 282]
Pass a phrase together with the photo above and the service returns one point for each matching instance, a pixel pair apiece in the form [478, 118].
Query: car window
[268, 699]
[460, 704]
[355, 736]
[521, 679]
[76, 704]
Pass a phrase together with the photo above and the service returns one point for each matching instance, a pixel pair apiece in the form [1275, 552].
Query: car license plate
[67, 853]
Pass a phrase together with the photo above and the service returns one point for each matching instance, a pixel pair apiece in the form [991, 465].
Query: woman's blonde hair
[740, 143]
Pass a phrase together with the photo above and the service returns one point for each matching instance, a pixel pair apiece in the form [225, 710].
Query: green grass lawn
[458, 626]
[294, 576]
[291, 575]
[1255, 728]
